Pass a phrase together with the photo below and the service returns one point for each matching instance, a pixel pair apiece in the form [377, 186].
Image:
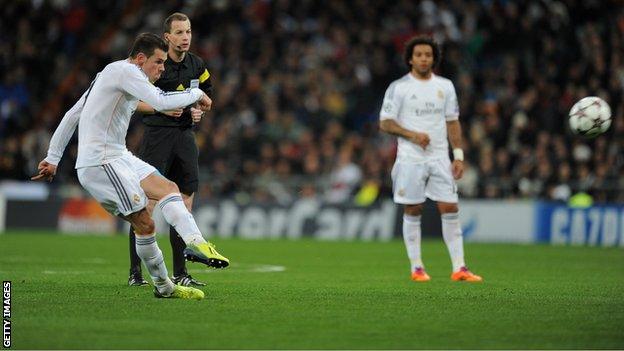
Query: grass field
[70, 292]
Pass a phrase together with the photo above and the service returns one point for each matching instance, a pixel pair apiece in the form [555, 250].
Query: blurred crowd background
[298, 86]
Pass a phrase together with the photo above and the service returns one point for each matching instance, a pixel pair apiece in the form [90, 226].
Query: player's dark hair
[421, 40]
[176, 16]
[147, 43]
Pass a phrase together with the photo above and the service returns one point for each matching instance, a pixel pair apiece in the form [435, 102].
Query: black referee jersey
[191, 72]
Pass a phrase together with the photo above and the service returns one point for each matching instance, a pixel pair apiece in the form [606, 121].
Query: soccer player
[169, 142]
[421, 109]
[118, 180]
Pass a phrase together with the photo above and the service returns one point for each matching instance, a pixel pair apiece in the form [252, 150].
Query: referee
[168, 140]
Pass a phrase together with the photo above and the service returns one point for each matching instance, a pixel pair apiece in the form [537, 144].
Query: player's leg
[184, 171]
[441, 188]
[408, 187]
[412, 235]
[116, 187]
[136, 276]
[151, 255]
[176, 214]
[154, 149]
[180, 274]
[149, 252]
[452, 233]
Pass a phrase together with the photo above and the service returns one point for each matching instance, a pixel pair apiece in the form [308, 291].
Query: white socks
[152, 257]
[452, 233]
[411, 237]
[178, 216]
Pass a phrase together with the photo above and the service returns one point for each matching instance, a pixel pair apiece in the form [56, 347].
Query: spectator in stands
[518, 66]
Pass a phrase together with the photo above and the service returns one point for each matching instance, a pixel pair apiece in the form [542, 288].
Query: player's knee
[150, 227]
[145, 228]
[172, 187]
[143, 224]
[444, 207]
[413, 210]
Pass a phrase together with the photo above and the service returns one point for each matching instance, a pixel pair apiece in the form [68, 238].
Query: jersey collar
[421, 80]
[183, 63]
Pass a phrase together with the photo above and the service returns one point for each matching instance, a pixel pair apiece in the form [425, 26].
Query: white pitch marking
[268, 269]
[95, 260]
[253, 267]
[67, 272]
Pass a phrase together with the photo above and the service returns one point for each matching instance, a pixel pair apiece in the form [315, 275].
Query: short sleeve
[205, 83]
[391, 103]
[452, 106]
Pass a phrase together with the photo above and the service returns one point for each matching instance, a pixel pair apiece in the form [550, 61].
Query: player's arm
[146, 109]
[391, 126]
[454, 131]
[135, 83]
[454, 134]
[205, 84]
[388, 118]
[59, 141]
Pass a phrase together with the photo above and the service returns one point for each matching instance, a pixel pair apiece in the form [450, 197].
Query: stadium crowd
[298, 87]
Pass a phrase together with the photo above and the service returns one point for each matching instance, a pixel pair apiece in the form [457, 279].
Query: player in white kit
[118, 180]
[421, 109]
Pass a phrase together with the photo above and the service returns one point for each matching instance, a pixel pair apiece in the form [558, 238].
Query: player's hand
[175, 113]
[457, 169]
[196, 114]
[47, 171]
[421, 139]
[205, 103]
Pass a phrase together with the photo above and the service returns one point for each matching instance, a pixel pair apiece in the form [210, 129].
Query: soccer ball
[590, 116]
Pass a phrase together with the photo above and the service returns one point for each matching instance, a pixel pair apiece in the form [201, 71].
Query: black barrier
[309, 218]
[226, 218]
[31, 214]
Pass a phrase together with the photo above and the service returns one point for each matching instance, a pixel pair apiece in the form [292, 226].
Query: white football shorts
[117, 185]
[413, 182]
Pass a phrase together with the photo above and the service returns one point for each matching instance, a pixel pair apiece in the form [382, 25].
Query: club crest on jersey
[136, 198]
[440, 94]
[387, 107]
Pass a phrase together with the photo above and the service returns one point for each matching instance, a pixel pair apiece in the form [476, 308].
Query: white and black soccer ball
[590, 116]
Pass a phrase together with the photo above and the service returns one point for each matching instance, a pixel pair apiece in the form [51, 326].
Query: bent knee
[172, 187]
[143, 224]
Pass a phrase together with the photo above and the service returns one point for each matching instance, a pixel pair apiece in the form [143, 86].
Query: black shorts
[173, 151]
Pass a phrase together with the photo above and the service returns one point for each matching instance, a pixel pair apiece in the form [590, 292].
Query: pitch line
[245, 268]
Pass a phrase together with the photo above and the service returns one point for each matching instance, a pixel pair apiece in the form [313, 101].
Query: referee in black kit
[168, 140]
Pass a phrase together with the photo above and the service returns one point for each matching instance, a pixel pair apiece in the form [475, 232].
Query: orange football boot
[463, 274]
[419, 275]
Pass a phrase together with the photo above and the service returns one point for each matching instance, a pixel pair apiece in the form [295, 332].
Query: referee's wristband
[458, 154]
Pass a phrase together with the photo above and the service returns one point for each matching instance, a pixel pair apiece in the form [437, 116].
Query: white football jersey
[103, 113]
[422, 106]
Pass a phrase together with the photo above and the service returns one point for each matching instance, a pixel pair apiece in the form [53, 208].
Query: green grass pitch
[70, 292]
